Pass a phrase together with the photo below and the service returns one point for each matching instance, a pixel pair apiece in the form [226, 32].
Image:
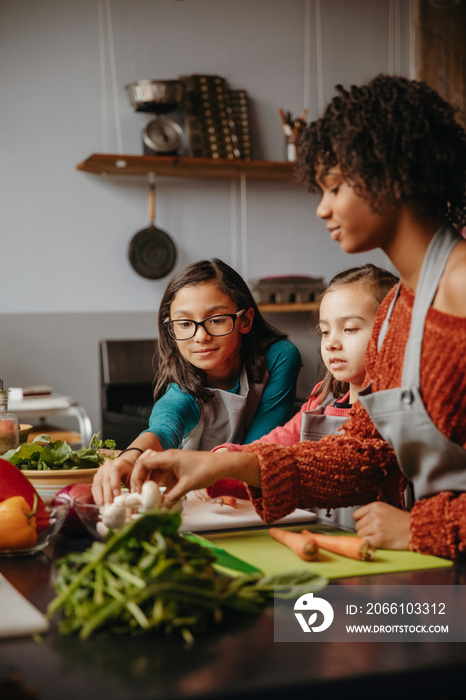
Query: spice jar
[9, 429]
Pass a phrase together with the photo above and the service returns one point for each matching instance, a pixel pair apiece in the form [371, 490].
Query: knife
[224, 558]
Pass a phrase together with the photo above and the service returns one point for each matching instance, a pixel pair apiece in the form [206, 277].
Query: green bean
[148, 577]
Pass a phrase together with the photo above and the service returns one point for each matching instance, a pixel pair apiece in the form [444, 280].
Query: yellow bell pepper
[17, 524]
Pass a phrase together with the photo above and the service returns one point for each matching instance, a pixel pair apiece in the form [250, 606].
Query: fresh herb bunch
[43, 454]
[148, 577]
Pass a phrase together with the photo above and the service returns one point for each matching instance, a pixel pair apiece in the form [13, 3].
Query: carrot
[346, 545]
[302, 546]
[229, 501]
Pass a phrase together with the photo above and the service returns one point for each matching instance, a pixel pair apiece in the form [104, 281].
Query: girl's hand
[110, 475]
[181, 471]
[383, 525]
[108, 453]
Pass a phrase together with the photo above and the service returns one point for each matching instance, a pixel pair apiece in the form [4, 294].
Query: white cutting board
[201, 516]
[18, 617]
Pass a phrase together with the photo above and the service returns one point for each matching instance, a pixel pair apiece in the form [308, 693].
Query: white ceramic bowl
[48, 482]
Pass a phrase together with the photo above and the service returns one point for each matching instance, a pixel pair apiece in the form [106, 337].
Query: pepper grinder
[9, 429]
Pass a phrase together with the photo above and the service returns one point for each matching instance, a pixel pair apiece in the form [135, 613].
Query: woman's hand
[185, 470]
[110, 475]
[383, 525]
[202, 494]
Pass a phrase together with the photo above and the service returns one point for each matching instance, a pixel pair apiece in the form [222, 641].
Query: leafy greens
[42, 454]
[148, 577]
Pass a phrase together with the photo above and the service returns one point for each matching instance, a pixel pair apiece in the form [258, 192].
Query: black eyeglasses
[185, 328]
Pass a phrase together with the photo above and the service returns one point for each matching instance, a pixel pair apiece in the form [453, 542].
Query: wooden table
[239, 661]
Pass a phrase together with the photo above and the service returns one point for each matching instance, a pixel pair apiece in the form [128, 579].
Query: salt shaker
[9, 429]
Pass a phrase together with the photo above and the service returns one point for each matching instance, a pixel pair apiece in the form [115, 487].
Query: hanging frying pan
[152, 252]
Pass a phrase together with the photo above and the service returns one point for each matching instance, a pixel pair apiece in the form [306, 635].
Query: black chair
[126, 380]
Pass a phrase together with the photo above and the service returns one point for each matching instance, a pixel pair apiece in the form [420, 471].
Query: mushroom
[150, 495]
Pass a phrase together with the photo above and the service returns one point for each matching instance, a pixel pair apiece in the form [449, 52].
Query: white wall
[65, 233]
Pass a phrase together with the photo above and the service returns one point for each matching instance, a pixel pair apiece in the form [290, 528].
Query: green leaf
[43, 454]
[42, 438]
[24, 452]
[56, 454]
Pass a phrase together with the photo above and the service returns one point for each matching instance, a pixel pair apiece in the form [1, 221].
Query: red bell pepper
[228, 487]
[14, 483]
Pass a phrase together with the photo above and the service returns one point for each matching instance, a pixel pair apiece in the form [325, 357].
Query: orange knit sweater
[355, 466]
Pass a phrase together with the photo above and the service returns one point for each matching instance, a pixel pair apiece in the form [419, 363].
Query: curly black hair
[396, 140]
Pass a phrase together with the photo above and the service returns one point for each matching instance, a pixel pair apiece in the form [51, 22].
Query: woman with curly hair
[388, 159]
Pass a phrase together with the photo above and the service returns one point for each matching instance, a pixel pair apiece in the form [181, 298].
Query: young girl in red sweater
[388, 159]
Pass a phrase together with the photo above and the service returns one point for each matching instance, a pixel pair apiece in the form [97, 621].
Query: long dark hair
[171, 366]
[377, 282]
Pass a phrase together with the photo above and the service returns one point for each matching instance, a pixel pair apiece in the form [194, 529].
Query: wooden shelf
[288, 308]
[181, 166]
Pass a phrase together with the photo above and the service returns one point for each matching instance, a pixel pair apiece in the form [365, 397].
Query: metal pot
[159, 96]
[152, 253]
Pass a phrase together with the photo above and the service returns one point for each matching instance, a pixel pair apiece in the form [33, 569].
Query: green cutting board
[258, 548]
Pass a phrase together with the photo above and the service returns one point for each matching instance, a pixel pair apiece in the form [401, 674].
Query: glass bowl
[57, 516]
[89, 515]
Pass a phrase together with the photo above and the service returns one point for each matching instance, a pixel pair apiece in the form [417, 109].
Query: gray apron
[431, 462]
[225, 417]
[314, 426]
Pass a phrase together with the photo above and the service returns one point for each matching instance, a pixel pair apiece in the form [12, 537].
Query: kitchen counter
[238, 660]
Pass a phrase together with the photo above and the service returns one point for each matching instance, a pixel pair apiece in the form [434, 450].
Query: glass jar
[9, 429]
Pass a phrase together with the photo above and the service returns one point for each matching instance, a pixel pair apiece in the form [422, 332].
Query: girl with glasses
[223, 373]
[388, 160]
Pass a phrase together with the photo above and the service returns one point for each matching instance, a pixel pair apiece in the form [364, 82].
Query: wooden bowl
[24, 430]
[48, 482]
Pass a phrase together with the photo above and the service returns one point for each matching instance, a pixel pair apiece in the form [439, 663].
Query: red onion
[73, 524]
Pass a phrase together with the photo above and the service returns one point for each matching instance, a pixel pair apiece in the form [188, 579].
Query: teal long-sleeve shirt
[176, 413]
